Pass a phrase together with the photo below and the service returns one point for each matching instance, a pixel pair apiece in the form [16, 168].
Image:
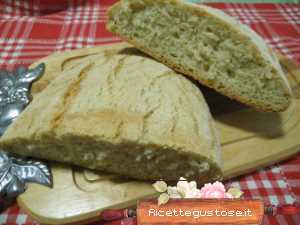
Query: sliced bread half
[206, 44]
[121, 113]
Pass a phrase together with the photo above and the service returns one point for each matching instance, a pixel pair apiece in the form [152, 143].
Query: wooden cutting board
[250, 140]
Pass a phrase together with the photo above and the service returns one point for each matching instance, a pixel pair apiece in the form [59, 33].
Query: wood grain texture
[250, 140]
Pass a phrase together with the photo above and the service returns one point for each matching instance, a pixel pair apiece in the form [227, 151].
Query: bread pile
[117, 110]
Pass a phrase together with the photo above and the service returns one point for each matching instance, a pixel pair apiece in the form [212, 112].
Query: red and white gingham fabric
[33, 29]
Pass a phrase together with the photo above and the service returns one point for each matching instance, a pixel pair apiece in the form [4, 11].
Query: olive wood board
[250, 140]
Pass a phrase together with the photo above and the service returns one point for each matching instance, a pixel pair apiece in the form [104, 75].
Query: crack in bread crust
[69, 95]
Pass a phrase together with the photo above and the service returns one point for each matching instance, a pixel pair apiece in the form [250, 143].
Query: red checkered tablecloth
[32, 29]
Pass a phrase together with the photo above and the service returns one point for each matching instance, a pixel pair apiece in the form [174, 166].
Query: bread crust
[57, 61]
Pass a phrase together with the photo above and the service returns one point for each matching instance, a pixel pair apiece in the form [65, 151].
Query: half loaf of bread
[206, 44]
[123, 113]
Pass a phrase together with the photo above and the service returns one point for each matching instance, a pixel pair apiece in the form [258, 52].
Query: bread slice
[121, 113]
[207, 45]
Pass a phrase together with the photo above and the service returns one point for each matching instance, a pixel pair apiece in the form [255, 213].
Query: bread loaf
[123, 113]
[207, 45]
